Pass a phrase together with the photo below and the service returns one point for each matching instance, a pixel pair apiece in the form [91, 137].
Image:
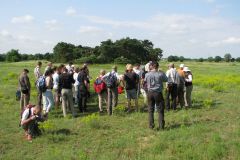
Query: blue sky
[191, 28]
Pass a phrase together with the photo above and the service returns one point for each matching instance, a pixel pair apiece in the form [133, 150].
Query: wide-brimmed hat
[181, 65]
[186, 69]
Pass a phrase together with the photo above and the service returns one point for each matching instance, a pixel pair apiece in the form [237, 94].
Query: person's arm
[60, 84]
[25, 120]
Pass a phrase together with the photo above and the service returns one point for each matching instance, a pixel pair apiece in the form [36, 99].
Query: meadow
[208, 130]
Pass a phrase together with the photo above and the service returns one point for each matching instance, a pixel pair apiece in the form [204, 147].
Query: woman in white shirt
[55, 77]
[76, 84]
[189, 87]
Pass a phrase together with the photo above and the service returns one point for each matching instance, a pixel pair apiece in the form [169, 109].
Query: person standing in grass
[55, 77]
[189, 87]
[102, 95]
[181, 85]
[47, 95]
[111, 80]
[76, 84]
[65, 88]
[139, 72]
[154, 80]
[173, 80]
[37, 73]
[25, 88]
[83, 90]
[131, 81]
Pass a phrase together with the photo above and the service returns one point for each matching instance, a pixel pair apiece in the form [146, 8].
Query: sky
[189, 28]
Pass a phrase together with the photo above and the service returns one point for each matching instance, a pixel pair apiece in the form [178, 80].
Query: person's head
[76, 69]
[186, 70]
[25, 71]
[36, 110]
[171, 65]
[49, 72]
[50, 64]
[70, 63]
[64, 70]
[181, 66]
[60, 68]
[55, 68]
[137, 66]
[102, 72]
[154, 65]
[114, 68]
[85, 65]
[129, 67]
[39, 64]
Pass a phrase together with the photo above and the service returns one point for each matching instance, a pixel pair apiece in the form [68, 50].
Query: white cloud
[71, 11]
[5, 33]
[89, 30]
[22, 19]
[52, 24]
[232, 40]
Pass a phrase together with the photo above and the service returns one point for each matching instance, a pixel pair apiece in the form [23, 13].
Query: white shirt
[75, 77]
[189, 78]
[25, 114]
[55, 77]
[37, 72]
[138, 72]
[172, 75]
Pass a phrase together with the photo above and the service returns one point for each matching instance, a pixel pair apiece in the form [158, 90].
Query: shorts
[131, 94]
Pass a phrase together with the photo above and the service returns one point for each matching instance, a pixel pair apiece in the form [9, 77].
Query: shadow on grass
[61, 132]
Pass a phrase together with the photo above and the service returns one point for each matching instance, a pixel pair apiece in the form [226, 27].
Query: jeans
[48, 100]
[156, 99]
[112, 99]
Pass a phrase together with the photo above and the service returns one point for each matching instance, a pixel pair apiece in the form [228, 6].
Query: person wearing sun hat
[189, 87]
[181, 85]
[131, 83]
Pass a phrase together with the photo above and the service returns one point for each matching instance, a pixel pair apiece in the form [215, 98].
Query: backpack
[99, 85]
[41, 84]
[111, 80]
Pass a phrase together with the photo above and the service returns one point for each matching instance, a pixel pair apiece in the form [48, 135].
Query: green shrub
[93, 121]
[119, 110]
[208, 103]
[47, 126]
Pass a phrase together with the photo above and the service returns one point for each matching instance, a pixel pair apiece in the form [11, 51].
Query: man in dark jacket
[25, 87]
[65, 88]
[83, 91]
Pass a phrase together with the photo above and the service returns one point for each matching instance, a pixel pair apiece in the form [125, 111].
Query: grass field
[208, 130]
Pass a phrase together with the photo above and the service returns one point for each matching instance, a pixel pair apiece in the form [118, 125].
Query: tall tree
[227, 57]
[13, 56]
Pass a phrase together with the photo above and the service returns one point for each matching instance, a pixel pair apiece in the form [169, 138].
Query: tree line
[125, 50]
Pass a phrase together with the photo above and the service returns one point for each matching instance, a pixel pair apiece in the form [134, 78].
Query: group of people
[71, 85]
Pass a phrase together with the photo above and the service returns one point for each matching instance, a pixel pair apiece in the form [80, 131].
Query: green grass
[208, 130]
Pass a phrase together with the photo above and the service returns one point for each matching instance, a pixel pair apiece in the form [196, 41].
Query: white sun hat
[186, 69]
[181, 65]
